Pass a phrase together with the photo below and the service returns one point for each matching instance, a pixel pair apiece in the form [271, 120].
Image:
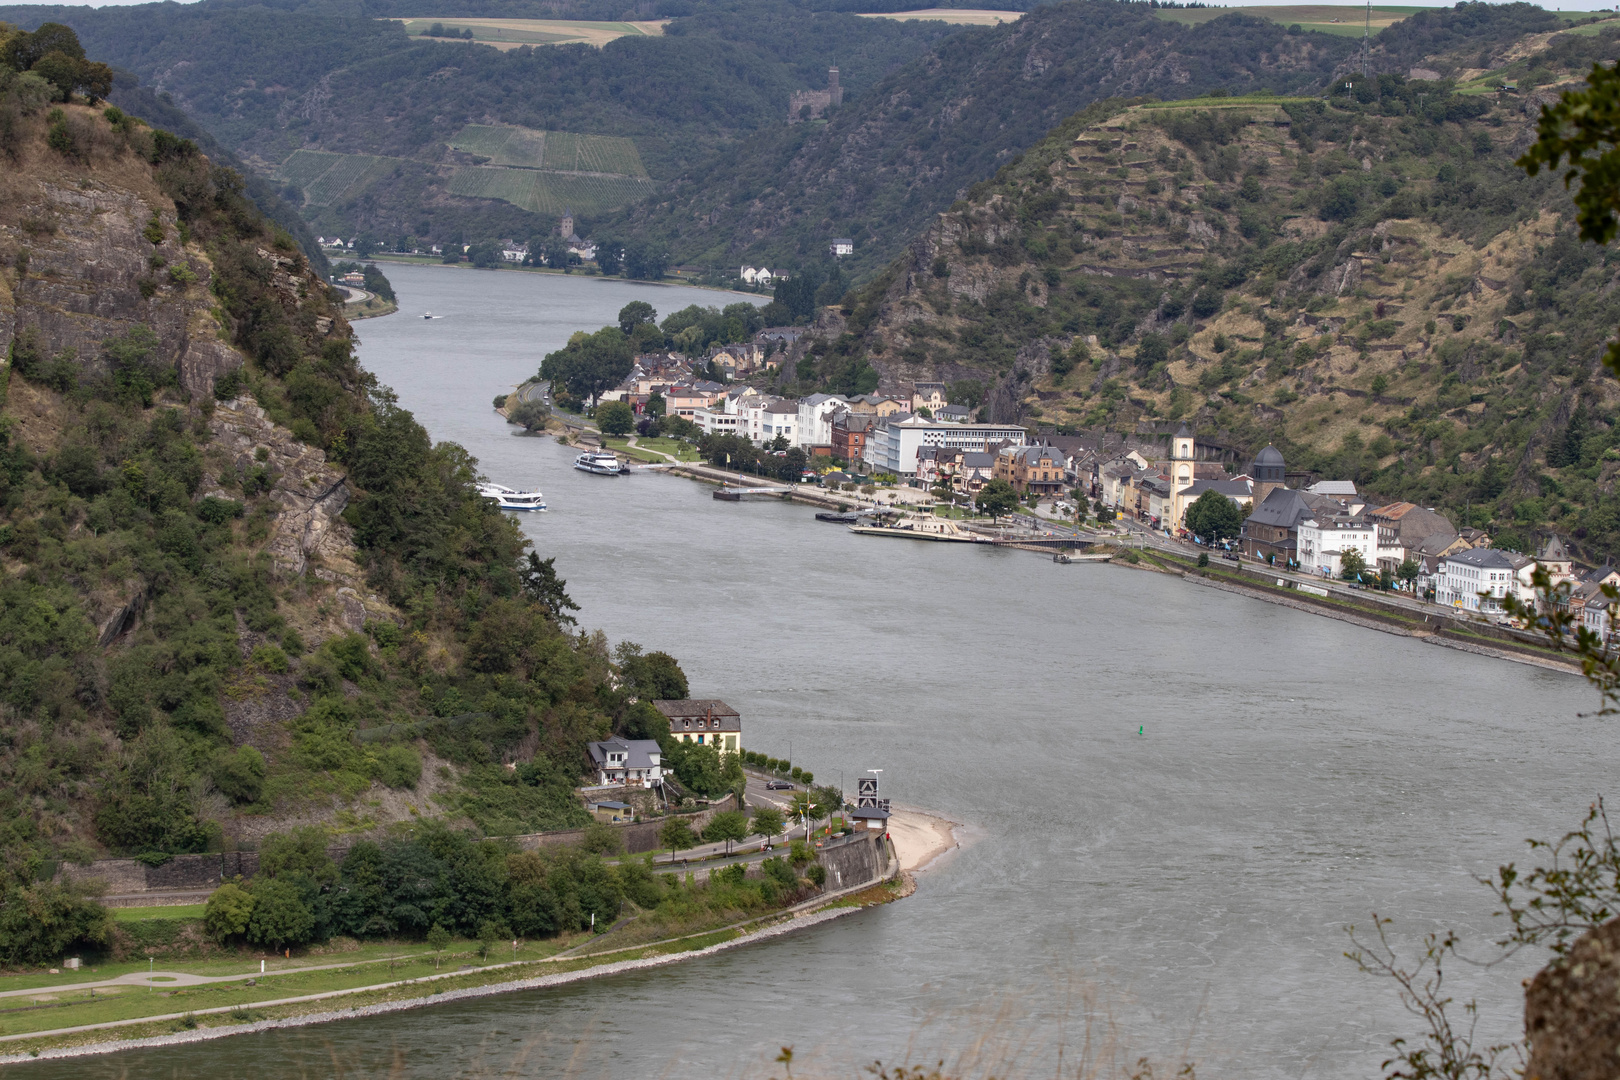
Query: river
[1179, 796]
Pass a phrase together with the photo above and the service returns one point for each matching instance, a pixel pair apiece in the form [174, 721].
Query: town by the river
[1174, 798]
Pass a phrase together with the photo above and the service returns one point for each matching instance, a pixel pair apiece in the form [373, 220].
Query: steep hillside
[886, 163]
[1367, 281]
[242, 587]
[269, 82]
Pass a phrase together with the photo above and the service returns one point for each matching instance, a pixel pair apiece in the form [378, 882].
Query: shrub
[796, 772]
[817, 875]
[230, 909]
[602, 839]
[239, 776]
[45, 920]
[270, 658]
[399, 766]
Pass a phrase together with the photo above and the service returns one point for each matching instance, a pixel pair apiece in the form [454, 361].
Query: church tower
[1181, 472]
[1267, 471]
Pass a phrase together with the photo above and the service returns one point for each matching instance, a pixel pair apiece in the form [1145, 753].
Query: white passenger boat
[600, 462]
[511, 499]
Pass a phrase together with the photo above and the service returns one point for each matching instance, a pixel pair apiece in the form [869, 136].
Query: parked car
[1231, 555]
[778, 785]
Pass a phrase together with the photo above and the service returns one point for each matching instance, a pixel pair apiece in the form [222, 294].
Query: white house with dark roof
[1323, 541]
[1461, 577]
[627, 762]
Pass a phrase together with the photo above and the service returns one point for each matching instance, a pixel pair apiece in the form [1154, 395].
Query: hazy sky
[1564, 5]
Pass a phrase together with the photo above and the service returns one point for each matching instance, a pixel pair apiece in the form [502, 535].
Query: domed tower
[1267, 471]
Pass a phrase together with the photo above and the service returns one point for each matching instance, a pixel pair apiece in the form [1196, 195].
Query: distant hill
[268, 81]
[892, 158]
[1367, 281]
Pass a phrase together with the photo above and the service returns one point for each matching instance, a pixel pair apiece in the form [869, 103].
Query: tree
[1408, 572]
[609, 256]
[530, 415]
[615, 418]
[229, 910]
[590, 363]
[1351, 564]
[301, 851]
[634, 314]
[645, 262]
[438, 939]
[677, 835]
[656, 405]
[997, 497]
[728, 826]
[1213, 517]
[280, 917]
[651, 677]
[1583, 127]
[542, 585]
[42, 921]
[767, 822]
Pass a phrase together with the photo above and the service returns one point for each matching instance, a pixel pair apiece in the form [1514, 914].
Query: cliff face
[96, 253]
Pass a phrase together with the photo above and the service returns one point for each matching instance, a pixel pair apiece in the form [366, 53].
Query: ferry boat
[600, 462]
[921, 528]
[511, 499]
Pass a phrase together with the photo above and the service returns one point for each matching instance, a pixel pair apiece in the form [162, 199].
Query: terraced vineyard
[526, 148]
[549, 193]
[503, 145]
[593, 153]
[328, 178]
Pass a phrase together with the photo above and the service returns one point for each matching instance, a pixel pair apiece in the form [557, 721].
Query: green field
[526, 148]
[1329, 19]
[549, 193]
[328, 178]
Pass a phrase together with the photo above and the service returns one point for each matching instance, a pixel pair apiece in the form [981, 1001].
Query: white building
[892, 445]
[841, 247]
[630, 762]
[716, 421]
[816, 416]
[757, 276]
[515, 254]
[1323, 542]
[780, 417]
[1461, 578]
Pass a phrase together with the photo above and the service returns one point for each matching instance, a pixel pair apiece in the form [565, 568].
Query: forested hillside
[242, 586]
[882, 166]
[268, 82]
[1367, 281]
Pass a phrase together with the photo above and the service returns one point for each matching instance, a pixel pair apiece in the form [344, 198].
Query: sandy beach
[920, 839]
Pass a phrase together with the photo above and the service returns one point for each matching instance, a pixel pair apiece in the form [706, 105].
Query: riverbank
[922, 840]
[399, 995]
[1436, 628]
[676, 282]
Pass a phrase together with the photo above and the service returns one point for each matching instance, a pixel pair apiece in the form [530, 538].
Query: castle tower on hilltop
[813, 104]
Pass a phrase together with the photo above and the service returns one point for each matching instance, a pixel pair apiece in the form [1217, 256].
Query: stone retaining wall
[194, 873]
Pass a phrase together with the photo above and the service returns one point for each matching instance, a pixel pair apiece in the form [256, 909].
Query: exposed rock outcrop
[1572, 1011]
[311, 494]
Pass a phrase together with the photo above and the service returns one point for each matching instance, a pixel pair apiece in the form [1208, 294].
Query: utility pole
[1366, 44]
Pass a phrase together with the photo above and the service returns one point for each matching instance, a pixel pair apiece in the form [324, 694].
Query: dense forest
[1368, 281]
[882, 166]
[170, 682]
[266, 82]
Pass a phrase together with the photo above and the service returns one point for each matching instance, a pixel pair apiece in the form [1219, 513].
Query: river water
[1179, 796]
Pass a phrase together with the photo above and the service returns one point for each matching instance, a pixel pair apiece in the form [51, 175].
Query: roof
[783, 407]
[1183, 432]
[1269, 456]
[639, 753]
[1283, 508]
[1554, 551]
[869, 813]
[978, 459]
[1027, 455]
[1484, 558]
[610, 804]
[1331, 487]
[953, 410]
[1232, 489]
[678, 707]
[1435, 543]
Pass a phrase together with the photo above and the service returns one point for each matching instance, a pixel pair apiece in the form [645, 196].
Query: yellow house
[704, 720]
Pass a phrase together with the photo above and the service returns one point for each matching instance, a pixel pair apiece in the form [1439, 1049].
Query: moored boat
[511, 499]
[921, 528]
[600, 462]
